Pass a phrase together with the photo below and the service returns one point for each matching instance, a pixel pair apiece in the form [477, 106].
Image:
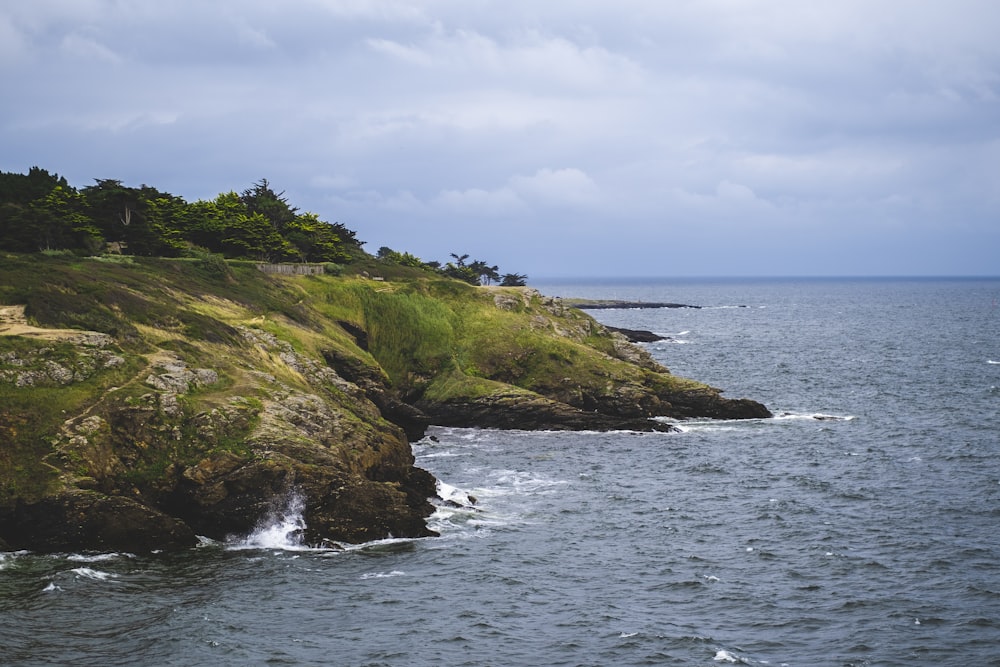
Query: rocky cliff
[144, 403]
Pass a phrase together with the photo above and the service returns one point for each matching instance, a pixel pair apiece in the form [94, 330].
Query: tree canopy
[40, 211]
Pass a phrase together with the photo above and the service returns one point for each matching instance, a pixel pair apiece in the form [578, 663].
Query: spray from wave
[282, 528]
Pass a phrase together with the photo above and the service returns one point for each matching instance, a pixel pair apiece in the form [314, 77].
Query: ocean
[859, 526]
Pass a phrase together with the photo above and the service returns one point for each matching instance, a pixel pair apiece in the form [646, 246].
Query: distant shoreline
[605, 304]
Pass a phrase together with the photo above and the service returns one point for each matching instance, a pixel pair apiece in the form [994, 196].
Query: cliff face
[145, 403]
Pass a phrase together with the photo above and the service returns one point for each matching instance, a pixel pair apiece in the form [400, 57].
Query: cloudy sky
[556, 138]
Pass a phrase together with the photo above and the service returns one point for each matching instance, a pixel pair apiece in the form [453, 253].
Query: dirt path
[14, 323]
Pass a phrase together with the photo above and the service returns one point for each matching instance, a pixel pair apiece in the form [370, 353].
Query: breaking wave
[283, 528]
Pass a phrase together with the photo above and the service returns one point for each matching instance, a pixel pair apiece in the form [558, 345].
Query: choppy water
[859, 527]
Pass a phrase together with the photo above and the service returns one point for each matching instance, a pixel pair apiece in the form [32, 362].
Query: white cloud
[254, 37]
[557, 187]
[76, 46]
[422, 119]
[734, 192]
[526, 57]
[520, 195]
[478, 203]
[333, 182]
[13, 45]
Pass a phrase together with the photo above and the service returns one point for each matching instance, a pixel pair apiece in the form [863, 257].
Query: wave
[818, 416]
[995, 363]
[90, 573]
[690, 425]
[98, 557]
[454, 496]
[281, 529]
[382, 575]
[722, 655]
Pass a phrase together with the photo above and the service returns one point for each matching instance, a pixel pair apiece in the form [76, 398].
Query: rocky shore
[607, 304]
[145, 404]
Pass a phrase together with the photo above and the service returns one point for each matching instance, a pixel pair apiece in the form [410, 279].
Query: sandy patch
[14, 323]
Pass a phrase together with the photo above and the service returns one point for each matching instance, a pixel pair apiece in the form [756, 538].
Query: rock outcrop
[142, 405]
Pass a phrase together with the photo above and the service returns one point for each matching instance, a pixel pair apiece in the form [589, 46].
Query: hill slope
[144, 402]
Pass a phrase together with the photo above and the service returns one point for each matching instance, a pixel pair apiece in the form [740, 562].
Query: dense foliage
[476, 272]
[41, 212]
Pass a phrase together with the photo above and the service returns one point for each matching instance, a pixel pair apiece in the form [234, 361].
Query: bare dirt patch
[14, 323]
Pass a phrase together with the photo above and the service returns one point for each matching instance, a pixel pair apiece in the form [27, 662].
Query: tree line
[476, 272]
[41, 212]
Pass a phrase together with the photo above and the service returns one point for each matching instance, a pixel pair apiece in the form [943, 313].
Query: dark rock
[89, 520]
[711, 405]
[589, 304]
[359, 335]
[532, 413]
[637, 335]
[372, 382]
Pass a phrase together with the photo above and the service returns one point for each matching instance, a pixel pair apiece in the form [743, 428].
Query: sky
[565, 138]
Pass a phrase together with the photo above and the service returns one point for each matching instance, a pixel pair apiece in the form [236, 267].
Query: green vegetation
[41, 212]
[186, 378]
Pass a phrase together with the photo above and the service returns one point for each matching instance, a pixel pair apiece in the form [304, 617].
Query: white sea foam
[454, 507]
[723, 655]
[995, 363]
[382, 575]
[688, 426]
[520, 482]
[452, 494]
[816, 416]
[446, 454]
[281, 529]
[51, 588]
[89, 573]
[97, 558]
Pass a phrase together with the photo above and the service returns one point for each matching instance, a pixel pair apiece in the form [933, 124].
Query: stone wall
[293, 269]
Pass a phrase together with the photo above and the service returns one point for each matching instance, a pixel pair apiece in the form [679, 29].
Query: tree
[120, 213]
[56, 220]
[461, 272]
[387, 254]
[486, 274]
[25, 188]
[315, 240]
[514, 280]
[270, 204]
[167, 217]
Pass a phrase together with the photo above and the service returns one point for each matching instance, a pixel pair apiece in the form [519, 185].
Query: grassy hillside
[200, 386]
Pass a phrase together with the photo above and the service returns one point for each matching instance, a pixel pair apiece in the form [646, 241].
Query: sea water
[859, 526]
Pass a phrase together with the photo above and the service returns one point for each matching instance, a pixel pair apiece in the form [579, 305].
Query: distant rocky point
[608, 304]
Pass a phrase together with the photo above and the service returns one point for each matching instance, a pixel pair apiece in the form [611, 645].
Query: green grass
[32, 416]
[431, 337]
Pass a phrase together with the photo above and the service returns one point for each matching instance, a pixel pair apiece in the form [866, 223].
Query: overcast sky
[555, 138]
